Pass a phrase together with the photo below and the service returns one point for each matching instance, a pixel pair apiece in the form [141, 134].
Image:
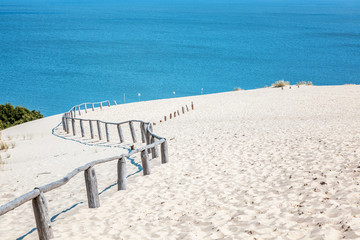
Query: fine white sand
[257, 164]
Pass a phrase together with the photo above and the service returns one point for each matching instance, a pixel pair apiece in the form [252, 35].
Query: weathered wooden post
[145, 162]
[147, 137]
[132, 130]
[82, 128]
[121, 136]
[71, 114]
[174, 114]
[164, 118]
[183, 110]
[154, 150]
[92, 106]
[99, 129]
[121, 168]
[73, 126]
[100, 106]
[164, 152]
[107, 132]
[192, 105]
[142, 129]
[63, 123]
[74, 111]
[42, 218]
[91, 188]
[108, 102]
[67, 125]
[170, 116]
[85, 108]
[79, 110]
[43, 223]
[178, 113]
[187, 109]
[115, 102]
[91, 129]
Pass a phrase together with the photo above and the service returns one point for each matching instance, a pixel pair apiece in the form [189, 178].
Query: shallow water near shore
[54, 54]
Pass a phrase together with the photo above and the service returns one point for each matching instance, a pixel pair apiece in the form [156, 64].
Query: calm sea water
[55, 54]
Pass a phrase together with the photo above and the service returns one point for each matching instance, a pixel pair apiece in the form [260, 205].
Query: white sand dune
[257, 164]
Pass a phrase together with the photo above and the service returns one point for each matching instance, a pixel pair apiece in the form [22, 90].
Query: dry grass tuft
[4, 146]
[280, 83]
[237, 89]
[308, 83]
[12, 144]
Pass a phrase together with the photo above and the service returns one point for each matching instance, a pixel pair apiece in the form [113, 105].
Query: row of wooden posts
[37, 196]
[177, 112]
[40, 208]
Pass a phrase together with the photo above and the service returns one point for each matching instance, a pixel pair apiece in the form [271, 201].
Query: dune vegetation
[11, 116]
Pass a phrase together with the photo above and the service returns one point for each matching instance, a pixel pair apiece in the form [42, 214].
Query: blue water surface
[55, 54]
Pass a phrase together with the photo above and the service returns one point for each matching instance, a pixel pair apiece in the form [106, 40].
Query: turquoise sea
[57, 53]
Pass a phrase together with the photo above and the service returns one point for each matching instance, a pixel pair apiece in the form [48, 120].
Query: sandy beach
[256, 164]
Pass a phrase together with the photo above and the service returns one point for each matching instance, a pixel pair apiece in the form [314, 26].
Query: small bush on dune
[280, 83]
[11, 116]
[309, 83]
[237, 89]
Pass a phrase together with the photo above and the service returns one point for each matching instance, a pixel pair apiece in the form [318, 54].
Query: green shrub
[10, 116]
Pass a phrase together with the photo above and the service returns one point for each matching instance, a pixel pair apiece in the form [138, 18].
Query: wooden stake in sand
[107, 132]
[174, 114]
[43, 223]
[132, 130]
[79, 110]
[183, 110]
[154, 150]
[85, 108]
[164, 118]
[99, 129]
[108, 102]
[73, 126]
[121, 168]
[67, 125]
[192, 105]
[187, 109]
[100, 106]
[91, 188]
[142, 129]
[63, 123]
[82, 128]
[145, 162]
[91, 129]
[115, 102]
[170, 115]
[92, 106]
[121, 136]
[147, 137]
[178, 112]
[164, 152]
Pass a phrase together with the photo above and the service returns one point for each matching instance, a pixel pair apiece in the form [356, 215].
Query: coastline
[238, 168]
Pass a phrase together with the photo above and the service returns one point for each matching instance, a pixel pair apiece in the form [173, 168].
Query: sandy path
[260, 164]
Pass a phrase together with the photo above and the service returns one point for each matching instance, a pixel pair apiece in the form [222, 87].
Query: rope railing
[37, 196]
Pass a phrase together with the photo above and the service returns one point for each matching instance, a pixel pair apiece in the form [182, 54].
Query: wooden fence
[37, 196]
